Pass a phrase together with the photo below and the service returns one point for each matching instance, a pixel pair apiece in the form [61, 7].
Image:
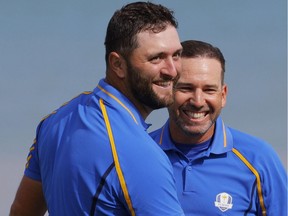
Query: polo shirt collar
[222, 140]
[113, 96]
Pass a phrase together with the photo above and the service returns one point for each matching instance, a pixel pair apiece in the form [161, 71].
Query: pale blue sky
[52, 50]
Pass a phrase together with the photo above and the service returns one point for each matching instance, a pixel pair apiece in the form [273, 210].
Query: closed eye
[177, 55]
[211, 90]
[156, 59]
[183, 88]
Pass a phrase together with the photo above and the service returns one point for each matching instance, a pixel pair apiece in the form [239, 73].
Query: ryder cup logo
[223, 201]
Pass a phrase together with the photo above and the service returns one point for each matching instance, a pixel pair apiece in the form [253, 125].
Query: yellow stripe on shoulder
[116, 99]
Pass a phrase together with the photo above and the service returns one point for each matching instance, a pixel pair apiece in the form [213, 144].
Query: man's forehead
[167, 38]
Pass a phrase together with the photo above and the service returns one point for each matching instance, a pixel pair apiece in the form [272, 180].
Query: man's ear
[224, 95]
[117, 64]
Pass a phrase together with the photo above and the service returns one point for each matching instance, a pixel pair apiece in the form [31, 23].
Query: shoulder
[245, 140]
[71, 105]
[254, 149]
[77, 109]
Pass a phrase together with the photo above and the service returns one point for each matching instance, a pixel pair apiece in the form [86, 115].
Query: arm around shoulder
[29, 199]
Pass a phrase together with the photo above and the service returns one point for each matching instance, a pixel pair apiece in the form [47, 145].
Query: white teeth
[163, 84]
[195, 115]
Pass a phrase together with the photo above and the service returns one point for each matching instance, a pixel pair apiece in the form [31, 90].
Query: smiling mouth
[195, 115]
[163, 84]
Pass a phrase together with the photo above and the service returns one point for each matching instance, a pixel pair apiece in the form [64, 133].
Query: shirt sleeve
[274, 184]
[32, 168]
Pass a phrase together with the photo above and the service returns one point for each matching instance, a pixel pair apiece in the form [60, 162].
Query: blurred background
[50, 51]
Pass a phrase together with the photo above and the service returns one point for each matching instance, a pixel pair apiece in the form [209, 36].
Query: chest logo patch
[223, 201]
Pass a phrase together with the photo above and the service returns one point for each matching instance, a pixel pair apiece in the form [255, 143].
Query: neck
[120, 85]
[179, 136]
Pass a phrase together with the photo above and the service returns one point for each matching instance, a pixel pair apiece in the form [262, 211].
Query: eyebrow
[165, 53]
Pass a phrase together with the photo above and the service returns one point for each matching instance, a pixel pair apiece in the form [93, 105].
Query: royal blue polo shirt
[94, 157]
[238, 174]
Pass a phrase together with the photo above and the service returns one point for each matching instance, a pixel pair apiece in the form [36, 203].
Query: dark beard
[141, 89]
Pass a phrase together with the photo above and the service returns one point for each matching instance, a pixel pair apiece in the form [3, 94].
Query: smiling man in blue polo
[218, 170]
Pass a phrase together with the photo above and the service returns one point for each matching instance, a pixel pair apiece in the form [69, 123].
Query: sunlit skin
[147, 77]
[157, 63]
[198, 100]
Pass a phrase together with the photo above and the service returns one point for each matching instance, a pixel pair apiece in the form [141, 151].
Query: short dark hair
[132, 19]
[195, 49]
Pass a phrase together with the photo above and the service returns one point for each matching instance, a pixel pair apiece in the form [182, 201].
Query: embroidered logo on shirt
[223, 201]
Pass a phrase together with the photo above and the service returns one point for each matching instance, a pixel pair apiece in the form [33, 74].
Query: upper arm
[29, 199]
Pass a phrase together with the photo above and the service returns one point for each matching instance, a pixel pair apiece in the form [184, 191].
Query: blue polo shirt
[94, 157]
[237, 174]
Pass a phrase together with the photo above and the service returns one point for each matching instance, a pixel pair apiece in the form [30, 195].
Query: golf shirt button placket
[188, 178]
